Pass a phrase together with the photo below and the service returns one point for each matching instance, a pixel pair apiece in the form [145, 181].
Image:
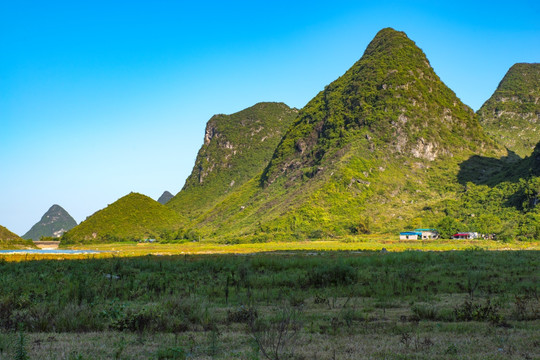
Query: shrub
[242, 315]
[171, 353]
[421, 312]
[470, 311]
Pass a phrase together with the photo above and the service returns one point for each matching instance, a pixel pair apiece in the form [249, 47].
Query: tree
[448, 226]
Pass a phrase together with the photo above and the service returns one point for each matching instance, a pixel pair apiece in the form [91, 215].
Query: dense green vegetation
[232, 306]
[236, 148]
[384, 148]
[393, 98]
[381, 149]
[10, 240]
[132, 217]
[511, 115]
[55, 222]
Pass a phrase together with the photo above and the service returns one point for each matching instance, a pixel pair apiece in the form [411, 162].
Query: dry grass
[376, 334]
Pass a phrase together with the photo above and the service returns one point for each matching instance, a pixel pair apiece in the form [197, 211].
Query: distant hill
[54, 223]
[236, 147]
[512, 113]
[10, 240]
[165, 197]
[130, 218]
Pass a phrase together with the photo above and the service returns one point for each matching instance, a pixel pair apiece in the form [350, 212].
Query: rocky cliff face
[236, 148]
[512, 113]
[54, 223]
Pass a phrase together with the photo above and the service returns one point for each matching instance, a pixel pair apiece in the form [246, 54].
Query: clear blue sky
[100, 98]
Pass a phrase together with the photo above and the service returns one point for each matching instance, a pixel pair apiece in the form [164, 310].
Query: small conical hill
[236, 148]
[132, 217]
[512, 114]
[54, 223]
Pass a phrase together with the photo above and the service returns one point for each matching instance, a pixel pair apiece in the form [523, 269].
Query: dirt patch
[48, 245]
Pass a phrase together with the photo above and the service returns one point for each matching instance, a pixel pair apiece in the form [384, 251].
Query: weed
[470, 311]
[171, 353]
[421, 312]
[276, 338]
[320, 299]
[242, 314]
[213, 342]
[120, 347]
[20, 349]
[451, 350]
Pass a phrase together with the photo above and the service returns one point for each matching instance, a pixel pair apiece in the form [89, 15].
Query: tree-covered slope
[393, 99]
[10, 240]
[236, 147]
[54, 223]
[512, 113]
[376, 150]
[132, 217]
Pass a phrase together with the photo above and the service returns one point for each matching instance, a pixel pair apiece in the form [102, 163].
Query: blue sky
[101, 98]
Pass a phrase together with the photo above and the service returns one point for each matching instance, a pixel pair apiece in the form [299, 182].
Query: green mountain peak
[512, 114]
[393, 99]
[54, 223]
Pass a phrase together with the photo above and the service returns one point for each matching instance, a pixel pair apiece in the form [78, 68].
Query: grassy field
[356, 243]
[301, 304]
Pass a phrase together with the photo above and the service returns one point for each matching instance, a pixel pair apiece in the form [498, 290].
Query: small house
[410, 235]
[428, 233]
[466, 235]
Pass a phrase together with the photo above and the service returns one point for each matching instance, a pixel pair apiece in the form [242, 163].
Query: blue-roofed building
[410, 235]
[428, 233]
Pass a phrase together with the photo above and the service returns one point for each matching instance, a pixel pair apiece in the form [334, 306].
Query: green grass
[336, 304]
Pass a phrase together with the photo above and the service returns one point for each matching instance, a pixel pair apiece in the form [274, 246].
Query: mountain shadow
[482, 170]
